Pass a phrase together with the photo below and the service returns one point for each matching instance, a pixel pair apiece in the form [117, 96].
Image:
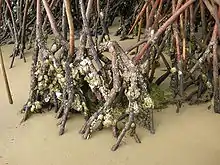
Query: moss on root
[160, 96]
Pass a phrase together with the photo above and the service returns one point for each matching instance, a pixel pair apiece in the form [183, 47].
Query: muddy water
[189, 138]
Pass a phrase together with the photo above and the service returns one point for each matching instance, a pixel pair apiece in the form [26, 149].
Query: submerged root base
[74, 84]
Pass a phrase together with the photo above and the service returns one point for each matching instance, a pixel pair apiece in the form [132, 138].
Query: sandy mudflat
[189, 138]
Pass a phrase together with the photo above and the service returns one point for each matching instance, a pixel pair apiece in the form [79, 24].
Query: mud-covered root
[147, 120]
[124, 72]
[64, 111]
[61, 83]
[102, 116]
[115, 129]
[30, 108]
[130, 125]
[150, 122]
[26, 114]
[16, 52]
[92, 124]
[65, 116]
[134, 134]
[65, 108]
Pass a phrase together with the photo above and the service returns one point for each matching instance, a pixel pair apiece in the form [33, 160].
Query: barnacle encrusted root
[116, 94]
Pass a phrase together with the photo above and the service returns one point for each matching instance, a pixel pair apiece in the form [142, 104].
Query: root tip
[114, 147]
[152, 132]
[81, 131]
[61, 132]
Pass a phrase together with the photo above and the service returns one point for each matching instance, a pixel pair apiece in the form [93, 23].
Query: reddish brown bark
[71, 26]
[162, 29]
